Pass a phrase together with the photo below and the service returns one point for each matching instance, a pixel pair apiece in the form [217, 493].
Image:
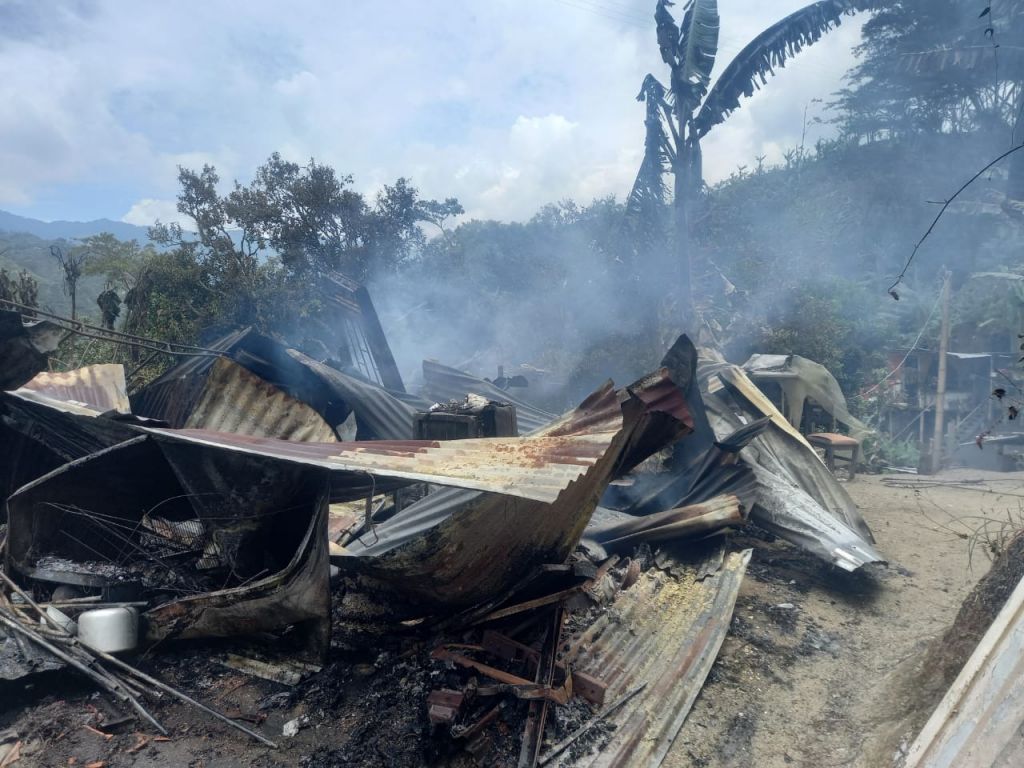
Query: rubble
[513, 572]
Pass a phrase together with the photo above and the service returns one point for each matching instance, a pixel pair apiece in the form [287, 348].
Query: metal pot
[109, 629]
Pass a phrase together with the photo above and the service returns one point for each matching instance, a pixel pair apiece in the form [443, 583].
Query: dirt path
[808, 674]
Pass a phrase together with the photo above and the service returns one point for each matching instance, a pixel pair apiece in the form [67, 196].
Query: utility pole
[938, 436]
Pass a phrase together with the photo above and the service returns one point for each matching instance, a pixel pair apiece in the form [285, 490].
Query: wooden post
[938, 436]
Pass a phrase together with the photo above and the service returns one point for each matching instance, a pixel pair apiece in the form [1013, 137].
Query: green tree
[308, 216]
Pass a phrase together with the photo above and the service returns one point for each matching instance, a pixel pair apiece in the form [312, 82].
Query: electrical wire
[111, 336]
[945, 205]
[623, 19]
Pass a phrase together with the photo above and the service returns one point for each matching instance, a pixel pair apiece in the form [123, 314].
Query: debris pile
[564, 581]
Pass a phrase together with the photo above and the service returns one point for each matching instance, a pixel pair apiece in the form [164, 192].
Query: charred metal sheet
[798, 498]
[458, 548]
[223, 547]
[39, 432]
[20, 658]
[685, 522]
[441, 384]
[664, 632]
[980, 721]
[238, 401]
[96, 388]
[802, 461]
[380, 414]
[24, 346]
[699, 468]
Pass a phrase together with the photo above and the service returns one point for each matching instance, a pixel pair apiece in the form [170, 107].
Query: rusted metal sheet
[240, 402]
[980, 721]
[442, 383]
[172, 396]
[664, 632]
[536, 468]
[96, 388]
[24, 346]
[459, 548]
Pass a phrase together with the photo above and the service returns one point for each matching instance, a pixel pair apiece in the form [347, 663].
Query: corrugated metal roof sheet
[441, 383]
[798, 499]
[602, 411]
[537, 468]
[979, 721]
[98, 388]
[380, 415]
[171, 396]
[459, 548]
[664, 631]
[238, 401]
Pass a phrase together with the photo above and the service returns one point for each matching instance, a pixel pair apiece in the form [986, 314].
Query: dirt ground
[811, 674]
[813, 670]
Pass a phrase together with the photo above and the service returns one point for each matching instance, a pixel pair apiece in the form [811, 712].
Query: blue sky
[506, 104]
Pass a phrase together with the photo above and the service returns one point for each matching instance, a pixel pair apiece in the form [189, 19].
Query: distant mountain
[55, 230]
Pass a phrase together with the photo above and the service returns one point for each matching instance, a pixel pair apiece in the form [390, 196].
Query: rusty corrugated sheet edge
[171, 395]
[457, 548]
[601, 410]
[531, 468]
[490, 543]
[978, 721]
[646, 646]
[98, 388]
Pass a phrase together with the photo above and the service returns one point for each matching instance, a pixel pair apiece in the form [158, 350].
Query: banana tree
[679, 116]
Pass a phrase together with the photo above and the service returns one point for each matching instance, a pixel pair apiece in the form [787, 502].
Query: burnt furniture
[838, 448]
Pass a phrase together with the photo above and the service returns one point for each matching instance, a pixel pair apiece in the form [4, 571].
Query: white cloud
[507, 104]
[148, 211]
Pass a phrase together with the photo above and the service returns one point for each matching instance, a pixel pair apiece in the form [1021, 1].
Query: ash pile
[458, 575]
